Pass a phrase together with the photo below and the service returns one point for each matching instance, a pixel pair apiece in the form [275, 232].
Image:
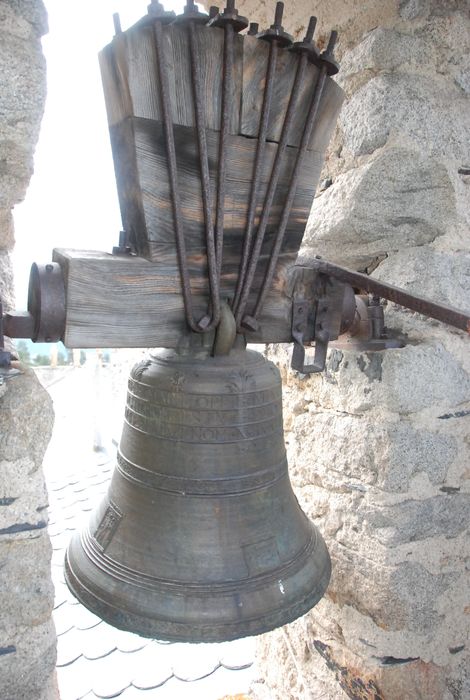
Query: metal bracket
[308, 320]
[318, 311]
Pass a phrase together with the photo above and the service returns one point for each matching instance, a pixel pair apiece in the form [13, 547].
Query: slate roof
[94, 659]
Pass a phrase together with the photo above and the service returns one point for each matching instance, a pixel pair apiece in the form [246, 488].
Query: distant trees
[41, 358]
[23, 352]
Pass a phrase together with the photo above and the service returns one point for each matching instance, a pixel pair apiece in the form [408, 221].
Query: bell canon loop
[200, 537]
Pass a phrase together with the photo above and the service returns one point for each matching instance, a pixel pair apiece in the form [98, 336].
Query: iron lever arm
[333, 310]
[427, 307]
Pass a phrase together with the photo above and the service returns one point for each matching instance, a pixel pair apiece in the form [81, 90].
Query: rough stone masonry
[379, 443]
[27, 634]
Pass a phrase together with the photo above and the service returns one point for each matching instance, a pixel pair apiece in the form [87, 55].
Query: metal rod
[206, 323]
[441, 312]
[306, 136]
[273, 182]
[227, 107]
[117, 23]
[256, 179]
[291, 193]
[173, 178]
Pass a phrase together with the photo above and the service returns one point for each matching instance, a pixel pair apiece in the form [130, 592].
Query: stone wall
[379, 443]
[27, 635]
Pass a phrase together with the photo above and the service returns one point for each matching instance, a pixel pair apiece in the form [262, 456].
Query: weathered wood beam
[126, 301]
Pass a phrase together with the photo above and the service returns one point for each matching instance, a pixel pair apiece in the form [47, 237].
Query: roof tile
[75, 680]
[69, 648]
[111, 674]
[152, 667]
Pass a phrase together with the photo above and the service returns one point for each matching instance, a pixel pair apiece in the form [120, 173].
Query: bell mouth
[200, 537]
[220, 612]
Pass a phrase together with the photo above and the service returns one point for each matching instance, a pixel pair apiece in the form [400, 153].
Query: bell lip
[166, 630]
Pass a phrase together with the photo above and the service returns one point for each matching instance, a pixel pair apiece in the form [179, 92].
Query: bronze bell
[200, 537]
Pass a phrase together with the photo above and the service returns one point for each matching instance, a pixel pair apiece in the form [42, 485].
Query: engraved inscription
[206, 434]
[211, 402]
[107, 528]
[202, 417]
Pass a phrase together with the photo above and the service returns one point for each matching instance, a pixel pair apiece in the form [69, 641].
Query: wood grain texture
[146, 197]
[114, 76]
[130, 75]
[127, 301]
[128, 186]
[136, 302]
[143, 72]
[255, 61]
[210, 47]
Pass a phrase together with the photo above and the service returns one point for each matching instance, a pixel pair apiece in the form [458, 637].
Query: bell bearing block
[200, 537]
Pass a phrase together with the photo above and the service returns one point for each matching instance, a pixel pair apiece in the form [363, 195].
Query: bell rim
[190, 632]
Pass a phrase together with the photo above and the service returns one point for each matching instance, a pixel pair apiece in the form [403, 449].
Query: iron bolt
[307, 44]
[278, 16]
[117, 23]
[327, 58]
[230, 16]
[276, 30]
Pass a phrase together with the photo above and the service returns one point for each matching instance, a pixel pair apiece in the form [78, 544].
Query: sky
[71, 201]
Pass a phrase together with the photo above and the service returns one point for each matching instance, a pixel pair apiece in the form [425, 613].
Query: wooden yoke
[150, 280]
[127, 301]
[218, 141]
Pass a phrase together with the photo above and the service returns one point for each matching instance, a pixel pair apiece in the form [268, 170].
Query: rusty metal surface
[248, 269]
[200, 537]
[306, 136]
[173, 178]
[207, 323]
[367, 332]
[240, 289]
[427, 307]
[19, 324]
[321, 319]
[46, 302]
[300, 323]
